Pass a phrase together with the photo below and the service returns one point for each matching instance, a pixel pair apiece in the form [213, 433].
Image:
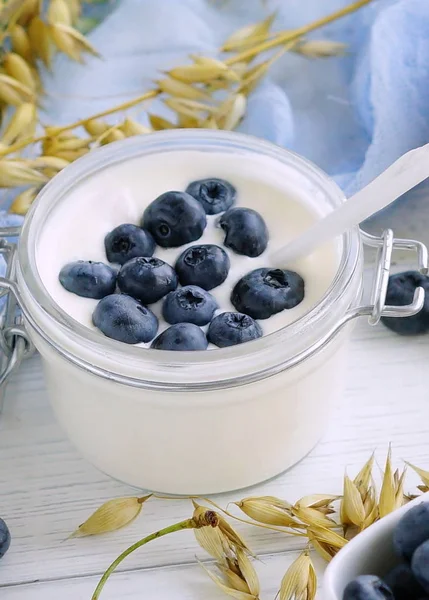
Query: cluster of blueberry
[170, 221]
[409, 580]
[4, 538]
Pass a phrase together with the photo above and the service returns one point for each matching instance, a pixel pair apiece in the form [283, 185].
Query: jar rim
[163, 141]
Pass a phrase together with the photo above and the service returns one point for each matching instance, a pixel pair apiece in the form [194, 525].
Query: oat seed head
[59, 13]
[23, 201]
[300, 581]
[269, 510]
[352, 510]
[21, 43]
[424, 475]
[111, 516]
[158, 123]
[40, 40]
[18, 68]
[320, 48]
[21, 124]
[248, 35]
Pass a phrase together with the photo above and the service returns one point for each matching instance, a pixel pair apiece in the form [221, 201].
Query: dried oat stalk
[199, 520]
[325, 541]
[111, 516]
[236, 575]
[207, 92]
[269, 510]
[392, 490]
[310, 510]
[221, 542]
[313, 516]
[359, 508]
[424, 476]
[300, 580]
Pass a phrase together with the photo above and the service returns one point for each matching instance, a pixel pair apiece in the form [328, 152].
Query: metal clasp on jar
[15, 344]
[385, 245]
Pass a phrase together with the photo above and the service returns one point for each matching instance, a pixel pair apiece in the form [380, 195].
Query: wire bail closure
[15, 344]
[386, 244]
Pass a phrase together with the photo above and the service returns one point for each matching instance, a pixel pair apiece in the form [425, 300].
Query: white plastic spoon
[408, 171]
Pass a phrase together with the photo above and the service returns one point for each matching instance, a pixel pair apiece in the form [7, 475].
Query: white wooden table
[47, 489]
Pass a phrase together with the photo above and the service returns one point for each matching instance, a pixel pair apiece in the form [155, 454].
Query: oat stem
[288, 36]
[110, 111]
[288, 531]
[208, 520]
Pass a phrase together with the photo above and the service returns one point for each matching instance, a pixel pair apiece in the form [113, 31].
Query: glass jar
[197, 422]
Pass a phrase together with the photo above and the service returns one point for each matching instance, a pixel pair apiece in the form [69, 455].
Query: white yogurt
[76, 228]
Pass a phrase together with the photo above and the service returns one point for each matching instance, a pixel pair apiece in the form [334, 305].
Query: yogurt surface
[77, 226]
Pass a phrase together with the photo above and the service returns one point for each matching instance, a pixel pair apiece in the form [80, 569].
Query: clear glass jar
[197, 423]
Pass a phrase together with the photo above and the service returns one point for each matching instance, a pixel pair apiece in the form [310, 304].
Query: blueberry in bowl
[420, 565]
[206, 265]
[231, 328]
[387, 561]
[368, 587]
[400, 292]
[215, 195]
[88, 279]
[181, 337]
[125, 319]
[265, 292]
[189, 304]
[174, 219]
[5, 538]
[245, 231]
[147, 279]
[403, 584]
[128, 241]
[411, 531]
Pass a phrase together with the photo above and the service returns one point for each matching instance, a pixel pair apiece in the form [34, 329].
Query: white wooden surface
[46, 489]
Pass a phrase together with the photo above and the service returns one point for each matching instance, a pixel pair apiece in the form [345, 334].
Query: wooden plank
[185, 582]
[46, 489]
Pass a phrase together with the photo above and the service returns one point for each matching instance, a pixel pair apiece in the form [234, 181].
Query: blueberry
[174, 219]
[230, 329]
[420, 565]
[412, 530]
[147, 278]
[367, 587]
[88, 279]
[400, 291]
[246, 232]
[215, 195]
[265, 292]
[206, 266]
[4, 538]
[182, 336]
[128, 241]
[125, 319]
[403, 583]
[189, 304]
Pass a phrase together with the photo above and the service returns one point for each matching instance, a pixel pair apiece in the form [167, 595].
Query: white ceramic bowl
[369, 553]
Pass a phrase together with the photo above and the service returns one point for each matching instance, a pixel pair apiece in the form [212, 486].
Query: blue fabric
[352, 115]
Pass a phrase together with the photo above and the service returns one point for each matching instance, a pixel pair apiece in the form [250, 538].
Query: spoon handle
[408, 171]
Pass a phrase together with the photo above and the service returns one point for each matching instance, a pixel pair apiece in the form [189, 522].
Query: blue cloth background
[351, 115]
